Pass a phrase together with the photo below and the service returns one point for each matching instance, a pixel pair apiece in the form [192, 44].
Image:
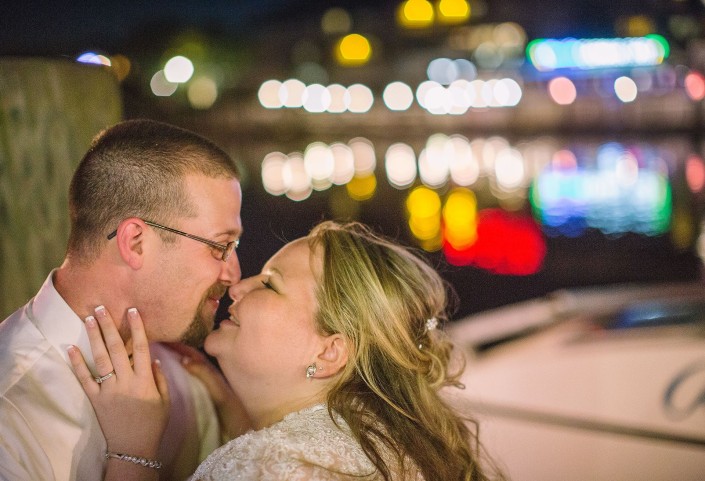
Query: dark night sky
[35, 27]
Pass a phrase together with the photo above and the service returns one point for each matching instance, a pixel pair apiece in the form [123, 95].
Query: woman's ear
[333, 358]
[130, 240]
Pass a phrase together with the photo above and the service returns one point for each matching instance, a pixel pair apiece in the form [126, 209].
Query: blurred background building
[522, 146]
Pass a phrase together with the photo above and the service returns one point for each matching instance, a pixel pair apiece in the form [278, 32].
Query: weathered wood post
[50, 109]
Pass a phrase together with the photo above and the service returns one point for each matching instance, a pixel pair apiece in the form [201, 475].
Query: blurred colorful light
[695, 85]
[160, 86]
[460, 218]
[178, 69]
[398, 96]
[453, 11]
[562, 91]
[400, 165]
[415, 14]
[362, 187]
[552, 54]
[202, 93]
[626, 89]
[353, 50]
[507, 244]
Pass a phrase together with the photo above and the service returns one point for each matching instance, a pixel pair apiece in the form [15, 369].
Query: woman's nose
[240, 289]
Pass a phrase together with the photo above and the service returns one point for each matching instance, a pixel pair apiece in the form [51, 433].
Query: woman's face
[270, 336]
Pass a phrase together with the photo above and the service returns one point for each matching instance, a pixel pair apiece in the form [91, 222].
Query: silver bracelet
[147, 463]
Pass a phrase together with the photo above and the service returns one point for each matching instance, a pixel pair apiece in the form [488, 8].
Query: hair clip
[431, 324]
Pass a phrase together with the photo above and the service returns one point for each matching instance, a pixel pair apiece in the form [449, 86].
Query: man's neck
[84, 288]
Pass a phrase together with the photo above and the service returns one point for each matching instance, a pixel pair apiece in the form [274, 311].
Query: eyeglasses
[226, 249]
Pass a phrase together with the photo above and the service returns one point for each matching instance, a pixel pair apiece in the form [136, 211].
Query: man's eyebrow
[230, 232]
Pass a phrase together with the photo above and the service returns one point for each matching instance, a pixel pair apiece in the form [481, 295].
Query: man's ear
[334, 356]
[130, 241]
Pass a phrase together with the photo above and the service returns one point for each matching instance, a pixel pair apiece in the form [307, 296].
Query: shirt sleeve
[206, 418]
[21, 456]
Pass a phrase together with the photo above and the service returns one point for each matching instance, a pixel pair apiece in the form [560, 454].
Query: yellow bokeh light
[415, 14]
[202, 93]
[453, 11]
[460, 218]
[639, 26]
[423, 202]
[424, 207]
[352, 50]
[425, 228]
[362, 187]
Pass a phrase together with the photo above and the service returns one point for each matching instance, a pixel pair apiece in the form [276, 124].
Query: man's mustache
[217, 291]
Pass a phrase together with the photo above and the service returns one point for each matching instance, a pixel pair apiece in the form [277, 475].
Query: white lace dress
[306, 445]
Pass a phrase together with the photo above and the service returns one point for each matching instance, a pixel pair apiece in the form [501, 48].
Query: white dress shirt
[48, 429]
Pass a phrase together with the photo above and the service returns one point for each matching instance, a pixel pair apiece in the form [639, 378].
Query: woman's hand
[231, 414]
[132, 405]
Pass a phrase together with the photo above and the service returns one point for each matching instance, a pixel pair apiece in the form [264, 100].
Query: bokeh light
[562, 90]
[400, 165]
[362, 187]
[460, 218]
[336, 21]
[626, 89]
[353, 50]
[507, 244]
[453, 11]
[94, 59]
[178, 69]
[343, 163]
[316, 98]
[160, 86]
[359, 98]
[415, 14]
[274, 180]
[337, 98]
[202, 93]
[695, 85]
[423, 206]
[398, 96]
[291, 93]
[268, 94]
[363, 156]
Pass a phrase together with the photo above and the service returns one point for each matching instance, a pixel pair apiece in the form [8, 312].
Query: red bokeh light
[507, 244]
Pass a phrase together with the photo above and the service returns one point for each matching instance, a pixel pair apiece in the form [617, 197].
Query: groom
[155, 219]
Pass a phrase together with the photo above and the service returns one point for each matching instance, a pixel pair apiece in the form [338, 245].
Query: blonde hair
[379, 296]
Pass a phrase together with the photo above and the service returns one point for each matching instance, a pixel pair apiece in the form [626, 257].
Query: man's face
[188, 277]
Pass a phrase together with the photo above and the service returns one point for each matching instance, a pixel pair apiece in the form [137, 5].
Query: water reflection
[498, 201]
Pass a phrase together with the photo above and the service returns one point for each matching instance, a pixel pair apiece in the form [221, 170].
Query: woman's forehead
[295, 258]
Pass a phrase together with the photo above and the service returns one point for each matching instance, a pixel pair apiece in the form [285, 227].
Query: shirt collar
[59, 324]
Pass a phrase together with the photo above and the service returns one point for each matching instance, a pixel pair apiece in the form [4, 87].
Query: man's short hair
[137, 169]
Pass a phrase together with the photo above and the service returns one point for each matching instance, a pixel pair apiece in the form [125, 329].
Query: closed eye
[267, 285]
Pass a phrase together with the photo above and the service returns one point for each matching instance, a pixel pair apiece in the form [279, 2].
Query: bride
[333, 355]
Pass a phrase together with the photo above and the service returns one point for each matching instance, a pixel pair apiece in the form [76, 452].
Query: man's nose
[230, 272]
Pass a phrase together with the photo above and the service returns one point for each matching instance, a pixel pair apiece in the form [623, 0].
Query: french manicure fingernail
[100, 310]
[132, 313]
[90, 321]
